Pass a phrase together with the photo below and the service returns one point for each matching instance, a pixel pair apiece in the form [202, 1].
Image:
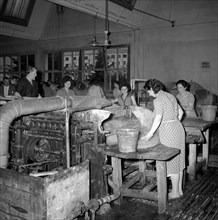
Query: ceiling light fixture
[94, 42]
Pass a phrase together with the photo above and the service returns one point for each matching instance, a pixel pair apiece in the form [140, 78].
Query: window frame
[15, 20]
[81, 70]
[20, 73]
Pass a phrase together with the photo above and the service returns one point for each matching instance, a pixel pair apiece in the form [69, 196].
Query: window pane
[111, 58]
[7, 64]
[76, 58]
[23, 62]
[88, 59]
[1, 64]
[57, 77]
[14, 60]
[57, 61]
[50, 61]
[123, 57]
[50, 76]
[99, 59]
[122, 75]
[31, 60]
[67, 60]
[16, 11]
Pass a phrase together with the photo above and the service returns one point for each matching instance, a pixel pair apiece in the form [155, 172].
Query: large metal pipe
[17, 108]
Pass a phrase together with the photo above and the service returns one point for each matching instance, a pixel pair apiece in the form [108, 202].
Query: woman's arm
[191, 102]
[133, 100]
[17, 95]
[114, 100]
[180, 112]
[154, 127]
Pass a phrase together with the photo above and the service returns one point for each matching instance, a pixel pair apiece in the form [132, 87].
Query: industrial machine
[48, 151]
[38, 142]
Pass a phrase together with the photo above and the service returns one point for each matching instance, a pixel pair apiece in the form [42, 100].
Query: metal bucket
[127, 139]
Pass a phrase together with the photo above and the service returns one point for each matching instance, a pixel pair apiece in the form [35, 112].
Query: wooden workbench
[160, 154]
[197, 124]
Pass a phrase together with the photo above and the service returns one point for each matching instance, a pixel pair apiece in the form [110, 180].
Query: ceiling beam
[116, 13]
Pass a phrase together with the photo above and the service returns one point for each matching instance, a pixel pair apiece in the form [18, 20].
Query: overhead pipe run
[155, 16]
[17, 108]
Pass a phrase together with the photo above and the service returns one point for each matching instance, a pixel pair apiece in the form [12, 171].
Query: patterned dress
[185, 99]
[171, 131]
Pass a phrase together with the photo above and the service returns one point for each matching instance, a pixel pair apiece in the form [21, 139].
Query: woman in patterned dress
[171, 132]
[186, 99]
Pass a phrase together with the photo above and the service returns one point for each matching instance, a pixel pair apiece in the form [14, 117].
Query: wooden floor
[200, 200]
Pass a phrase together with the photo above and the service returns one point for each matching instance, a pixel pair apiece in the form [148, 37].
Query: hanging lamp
[94, 42]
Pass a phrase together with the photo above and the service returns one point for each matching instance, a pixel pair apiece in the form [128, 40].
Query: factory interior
[76, 155]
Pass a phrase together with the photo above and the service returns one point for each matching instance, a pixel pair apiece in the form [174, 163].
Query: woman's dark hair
[125, 84]
[80, 86]
[183, 83]
[154, 84]
[64, 80]
[117, 82]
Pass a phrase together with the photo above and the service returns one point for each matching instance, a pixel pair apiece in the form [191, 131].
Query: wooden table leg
[192, 161]
[117, 175]
[205, 150]
[142, 169]
[161, 186]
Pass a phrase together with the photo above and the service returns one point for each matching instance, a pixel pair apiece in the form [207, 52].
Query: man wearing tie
[7, 89]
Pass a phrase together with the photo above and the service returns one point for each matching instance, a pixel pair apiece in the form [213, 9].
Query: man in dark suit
[27, 87]
[6, 89]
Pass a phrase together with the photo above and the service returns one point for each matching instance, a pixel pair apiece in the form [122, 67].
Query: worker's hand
[17, 95]
[148, 136]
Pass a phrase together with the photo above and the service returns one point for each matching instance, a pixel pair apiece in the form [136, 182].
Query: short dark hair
[185, 84]
[125, 84]
[155, 84]
[30, 69]
[117, 82]
[6, 77]
[66, 79]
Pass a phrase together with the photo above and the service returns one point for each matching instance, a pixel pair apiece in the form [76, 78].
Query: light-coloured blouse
[116, 93]
[187, 102]
[64, 93]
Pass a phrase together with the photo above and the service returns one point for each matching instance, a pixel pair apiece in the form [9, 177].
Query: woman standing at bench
[186, 99]
[171, 132]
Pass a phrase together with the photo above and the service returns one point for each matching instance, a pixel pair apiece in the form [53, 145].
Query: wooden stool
[160, 154]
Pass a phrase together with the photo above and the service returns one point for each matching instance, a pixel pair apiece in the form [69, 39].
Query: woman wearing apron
[171, 132]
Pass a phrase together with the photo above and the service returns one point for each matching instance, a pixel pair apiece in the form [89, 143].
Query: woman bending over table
[171, 132]
[186, 99]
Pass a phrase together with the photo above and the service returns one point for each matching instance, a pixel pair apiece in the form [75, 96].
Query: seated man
[7, 89]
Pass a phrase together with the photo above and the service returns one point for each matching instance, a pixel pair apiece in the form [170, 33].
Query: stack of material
[200, 200]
